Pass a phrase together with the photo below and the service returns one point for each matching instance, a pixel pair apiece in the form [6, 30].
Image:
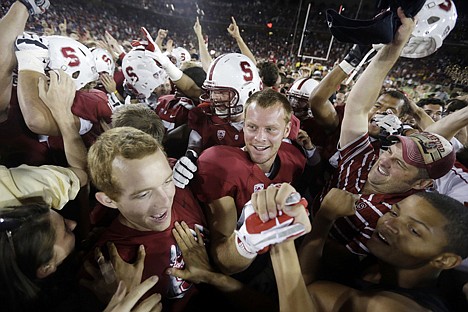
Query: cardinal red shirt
[161, 249]
[229, 171]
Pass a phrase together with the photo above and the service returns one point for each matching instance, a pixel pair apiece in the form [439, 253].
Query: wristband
[172, 71]
[346, 67]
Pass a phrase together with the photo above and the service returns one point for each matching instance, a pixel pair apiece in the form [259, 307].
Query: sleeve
[358, 146]
[92, 106]
[55, 185]
[295, 126]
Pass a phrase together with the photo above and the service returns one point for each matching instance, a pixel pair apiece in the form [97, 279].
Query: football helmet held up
[104, 61]
[181, 56]
[435, 21]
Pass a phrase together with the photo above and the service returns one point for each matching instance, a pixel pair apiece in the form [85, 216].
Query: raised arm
[337, 203]
[58, 98]
[162, 34]
[366, 90]
[233, 30]
[32, 56]
[292, 291]
[451, 124]
[205, 56]
[222, 217]
[183, 82]
[321, 107]
[11, 25]
[423, 120]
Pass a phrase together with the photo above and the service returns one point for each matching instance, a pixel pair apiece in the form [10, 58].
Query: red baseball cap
[427, 150]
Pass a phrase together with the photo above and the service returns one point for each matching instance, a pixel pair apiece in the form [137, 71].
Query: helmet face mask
[232, 78]
[300, 107]
[224, 102]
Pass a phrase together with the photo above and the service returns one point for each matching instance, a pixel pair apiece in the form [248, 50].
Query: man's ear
[287, 130]
[45, 270]
[105, 200]
[423, 184]
[446, 261]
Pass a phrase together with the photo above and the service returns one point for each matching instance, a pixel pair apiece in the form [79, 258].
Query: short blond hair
[127, 142]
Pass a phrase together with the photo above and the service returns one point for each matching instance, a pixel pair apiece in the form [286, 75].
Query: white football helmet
[181, 56]
[73, 58]
[298, 96]
[231, 79]
[435, 21]
[141, 73]
[104, 61]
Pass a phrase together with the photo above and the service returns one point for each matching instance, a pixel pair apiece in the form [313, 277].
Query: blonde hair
[127, 142]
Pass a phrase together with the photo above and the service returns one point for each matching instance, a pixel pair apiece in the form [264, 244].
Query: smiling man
[417, 239]
[408, 166]
[227, 176]
[132, 173]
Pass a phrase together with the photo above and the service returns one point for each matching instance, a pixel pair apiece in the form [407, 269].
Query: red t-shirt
[18, 144]
[161, 249]
[228, 171]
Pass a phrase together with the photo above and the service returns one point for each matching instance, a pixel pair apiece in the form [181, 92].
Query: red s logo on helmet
[131, 74]
[106, 59]
[70, 53]
[245, 66]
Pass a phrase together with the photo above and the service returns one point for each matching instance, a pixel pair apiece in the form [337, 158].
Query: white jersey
[454, 184]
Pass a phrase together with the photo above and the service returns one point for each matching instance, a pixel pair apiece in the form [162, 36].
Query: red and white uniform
[356, 160]
[173, 111]
[228, 171]
[161, 250]
[214, 130]
[454, 183]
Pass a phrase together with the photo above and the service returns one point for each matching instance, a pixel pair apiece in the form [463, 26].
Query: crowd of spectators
[279, 43]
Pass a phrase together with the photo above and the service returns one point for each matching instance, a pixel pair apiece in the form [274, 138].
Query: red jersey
[214, 130]
[356, 160]
[91, 105]
[161, 249]
[18, 144]
[228, 171]
[173, 111]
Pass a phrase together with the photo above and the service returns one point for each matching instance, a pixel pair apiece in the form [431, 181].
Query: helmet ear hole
[433, 19]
